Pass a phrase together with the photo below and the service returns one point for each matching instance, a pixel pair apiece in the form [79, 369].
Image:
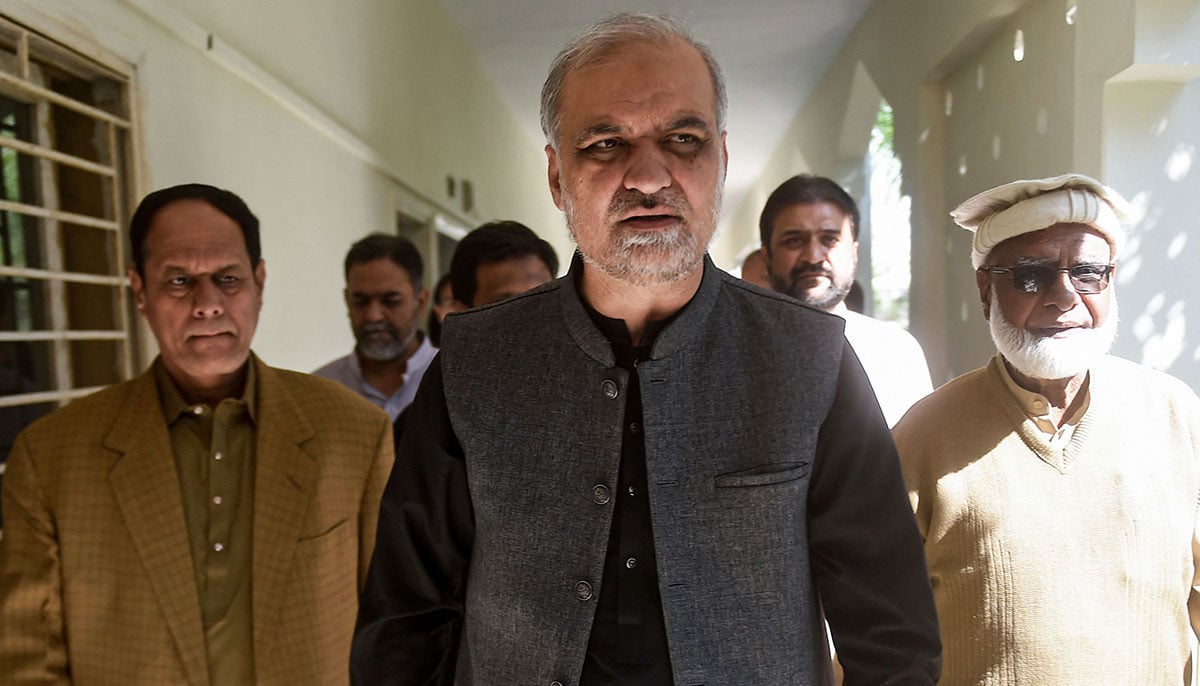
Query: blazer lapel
[146, 487]
[285, 477]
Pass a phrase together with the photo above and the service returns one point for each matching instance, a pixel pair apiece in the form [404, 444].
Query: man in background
[809, 231]
[499, 260]
[754, 269]
[208, 522]
[384, 300]
[1056, 488]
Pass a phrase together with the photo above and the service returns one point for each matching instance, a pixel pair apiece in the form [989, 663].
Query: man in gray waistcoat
[645, 472]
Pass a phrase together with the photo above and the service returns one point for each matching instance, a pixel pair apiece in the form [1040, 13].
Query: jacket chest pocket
[763, 475]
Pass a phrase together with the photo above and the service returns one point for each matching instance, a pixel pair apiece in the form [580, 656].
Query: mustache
[809, 268]
[378, 327]
[631, 199]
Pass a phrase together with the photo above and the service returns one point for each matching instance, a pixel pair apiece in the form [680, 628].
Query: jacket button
[609, 388]
[583, 590]
[601, 494]
[556, 683]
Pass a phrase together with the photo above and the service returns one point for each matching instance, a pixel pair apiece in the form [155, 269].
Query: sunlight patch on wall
[1139, 209]
[1180, 161]
[1140, 223]
[1143, 326]
[1131, 263]
[1071, 13]
[1175, 248]
[1161, 348]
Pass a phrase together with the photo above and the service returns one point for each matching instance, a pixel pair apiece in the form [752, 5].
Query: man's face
[813, 254]
[1055, 332]
[384, 309]
[200, 295]
[641, 163]
[496, 281]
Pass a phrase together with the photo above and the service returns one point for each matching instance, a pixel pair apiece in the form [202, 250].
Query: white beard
[1051, 358]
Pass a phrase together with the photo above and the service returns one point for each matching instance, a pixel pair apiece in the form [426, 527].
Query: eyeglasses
[1037, 278]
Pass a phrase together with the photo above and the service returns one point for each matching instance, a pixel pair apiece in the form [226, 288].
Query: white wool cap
[1026, 206]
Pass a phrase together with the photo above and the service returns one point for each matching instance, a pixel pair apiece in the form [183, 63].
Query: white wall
[326, 121]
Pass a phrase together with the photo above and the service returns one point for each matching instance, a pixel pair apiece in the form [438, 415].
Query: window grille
[66, 325]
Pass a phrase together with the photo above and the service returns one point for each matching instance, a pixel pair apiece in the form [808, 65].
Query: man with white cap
[1056, 488]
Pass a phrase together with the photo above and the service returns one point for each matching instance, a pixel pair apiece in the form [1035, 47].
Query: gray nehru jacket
[775, 494]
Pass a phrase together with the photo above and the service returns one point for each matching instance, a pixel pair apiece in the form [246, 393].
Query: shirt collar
[1037, 406]
[663, 338]
[173, 404]
[617, 332]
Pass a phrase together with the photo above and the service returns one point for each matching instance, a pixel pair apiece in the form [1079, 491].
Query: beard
[643, 258]
[1041, 357]
[826, 299]
[382, 342]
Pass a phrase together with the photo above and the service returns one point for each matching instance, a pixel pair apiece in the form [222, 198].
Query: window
[891, 227]
[66, 327]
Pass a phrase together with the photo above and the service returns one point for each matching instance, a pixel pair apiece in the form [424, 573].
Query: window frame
[117, 186]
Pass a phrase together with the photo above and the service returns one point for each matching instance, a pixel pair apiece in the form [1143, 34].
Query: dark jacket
[774, 489]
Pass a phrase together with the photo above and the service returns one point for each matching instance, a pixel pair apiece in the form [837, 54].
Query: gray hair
[598, 41]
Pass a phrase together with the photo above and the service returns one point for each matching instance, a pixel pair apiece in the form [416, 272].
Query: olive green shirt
[214, 456]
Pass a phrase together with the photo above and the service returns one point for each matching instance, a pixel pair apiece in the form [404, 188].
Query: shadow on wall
[1151, 144]
[1156, 292]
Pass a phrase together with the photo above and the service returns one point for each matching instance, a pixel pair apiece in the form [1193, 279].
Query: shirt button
[600, 494]
[632, 492]
[583, 590]
[218, 547]
[198, 409]
[609, 388]
[631, 563]
[634, 428]
[216, 500]
[217, 456]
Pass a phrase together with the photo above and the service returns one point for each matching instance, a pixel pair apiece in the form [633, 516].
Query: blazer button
[609, 388]
[583, 590]
[556, 683]
[601, 494]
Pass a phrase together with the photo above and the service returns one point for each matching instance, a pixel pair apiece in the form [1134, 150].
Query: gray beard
[644, 259]
[384, 350]
[1051, 358]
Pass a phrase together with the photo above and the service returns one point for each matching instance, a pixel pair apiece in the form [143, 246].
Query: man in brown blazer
[208, 522]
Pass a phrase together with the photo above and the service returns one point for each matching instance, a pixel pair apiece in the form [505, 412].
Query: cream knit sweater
[1054, 567]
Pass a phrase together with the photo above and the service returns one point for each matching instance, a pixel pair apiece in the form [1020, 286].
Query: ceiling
[773, 53]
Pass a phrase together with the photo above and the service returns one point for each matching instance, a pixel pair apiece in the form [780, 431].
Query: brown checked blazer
[96, 577]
